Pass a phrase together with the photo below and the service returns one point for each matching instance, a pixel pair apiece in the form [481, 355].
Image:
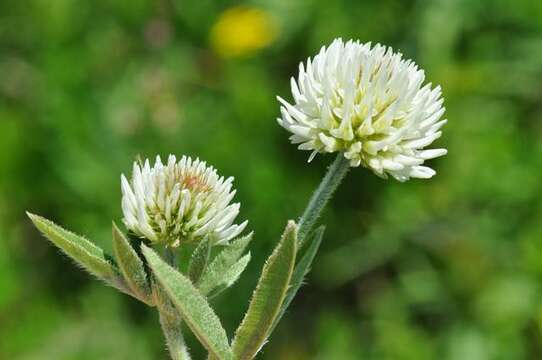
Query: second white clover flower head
[368, 103]
[181, 201]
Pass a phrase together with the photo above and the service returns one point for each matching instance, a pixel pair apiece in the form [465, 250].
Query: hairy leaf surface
[192, 306]
[131, 266]
[82, 251]
[218, 272]
[199, 260]
[301, 270]
[267, 298]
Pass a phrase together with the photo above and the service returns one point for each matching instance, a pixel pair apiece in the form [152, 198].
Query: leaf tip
[116, 231]
[291, 225]
[291, 229]
[32, 216]
[150, 255]
[39, 222]
[147, 251]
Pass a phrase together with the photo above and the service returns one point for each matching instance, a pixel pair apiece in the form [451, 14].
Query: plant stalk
[171, 327]
[169, 318]
[335, 174]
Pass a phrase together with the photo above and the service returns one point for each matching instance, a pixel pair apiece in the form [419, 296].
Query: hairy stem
[335, 174]
[169, 318]
[170, 256]
[171, 326]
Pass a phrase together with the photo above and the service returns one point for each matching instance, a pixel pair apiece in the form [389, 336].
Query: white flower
[368, 103]
[179, 202]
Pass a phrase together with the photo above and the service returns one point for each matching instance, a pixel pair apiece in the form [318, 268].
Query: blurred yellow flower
[242, 30]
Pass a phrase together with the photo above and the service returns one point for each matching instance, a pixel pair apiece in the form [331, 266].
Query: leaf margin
[251, 334]
[217, 344]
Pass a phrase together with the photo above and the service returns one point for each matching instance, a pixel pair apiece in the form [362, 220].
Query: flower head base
[179, 202]
[368, 103]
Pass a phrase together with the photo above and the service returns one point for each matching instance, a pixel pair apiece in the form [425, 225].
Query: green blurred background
[449, 268]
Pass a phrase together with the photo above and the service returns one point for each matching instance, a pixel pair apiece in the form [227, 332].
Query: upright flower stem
[170, 256]
[169, 318]
[335, 174]
[171, 326]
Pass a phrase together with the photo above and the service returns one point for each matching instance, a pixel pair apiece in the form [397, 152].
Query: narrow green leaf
[199, 260]
[301, 270]
[85, 253]
[231, 275]
[192, 306]
[267, 298]
[131, 266]
[214, 275]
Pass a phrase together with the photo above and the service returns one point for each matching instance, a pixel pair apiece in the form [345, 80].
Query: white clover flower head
[368, 103]
[179, 202]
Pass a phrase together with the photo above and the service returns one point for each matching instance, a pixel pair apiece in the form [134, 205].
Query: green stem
[171, 327]
[170, 256]
[335, 174]
[169, 318]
